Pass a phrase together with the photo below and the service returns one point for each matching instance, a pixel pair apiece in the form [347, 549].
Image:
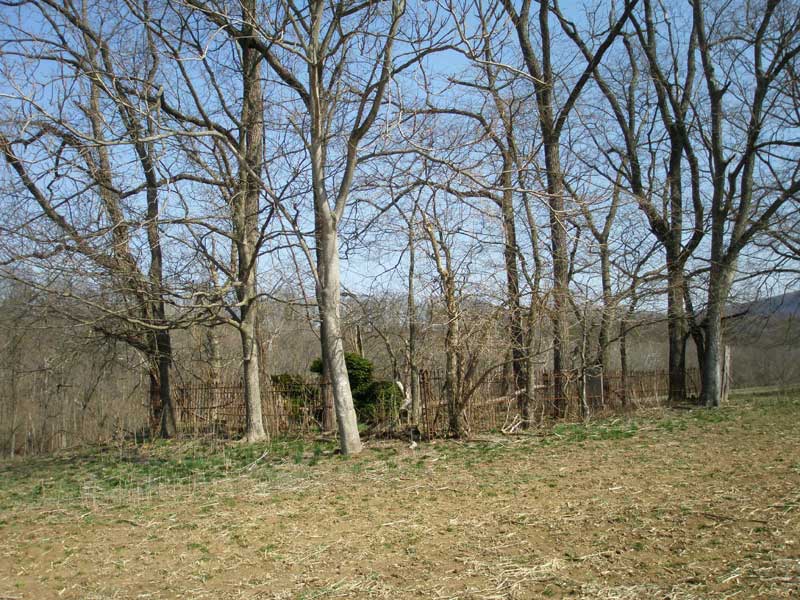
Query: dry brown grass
[674, 505]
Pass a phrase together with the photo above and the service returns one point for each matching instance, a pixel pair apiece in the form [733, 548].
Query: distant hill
[786, 305]
[769, 322]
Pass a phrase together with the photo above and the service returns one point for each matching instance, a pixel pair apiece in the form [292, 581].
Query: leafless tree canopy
[538, 193]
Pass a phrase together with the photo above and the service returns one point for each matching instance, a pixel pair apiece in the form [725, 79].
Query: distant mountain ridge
[785, 305]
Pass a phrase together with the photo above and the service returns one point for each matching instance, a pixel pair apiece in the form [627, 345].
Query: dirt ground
[666, 504]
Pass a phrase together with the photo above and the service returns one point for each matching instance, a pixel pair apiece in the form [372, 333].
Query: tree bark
[718, 289]
[214, 372]
[246, 213]
[607, 311]
[413, 327]
[676, 330]
[154, 395]
[544, 79]
[452, 383]
[328, 298]
[168, 418]
[514, 308]
[14, 406]
[254, 423]
[560, 252]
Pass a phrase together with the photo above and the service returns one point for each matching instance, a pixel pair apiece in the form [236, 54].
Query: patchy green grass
[662, 503]
[95, 470]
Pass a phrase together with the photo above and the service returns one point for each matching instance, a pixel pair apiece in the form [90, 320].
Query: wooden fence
[492, 408]
[220, 410]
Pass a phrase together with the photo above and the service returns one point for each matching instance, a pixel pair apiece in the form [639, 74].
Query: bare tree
[552, 120]
[246, 215]
[441, 251]
[63, 155]
[229, 210]
[672, 76]
[749, 57]
[338, 60]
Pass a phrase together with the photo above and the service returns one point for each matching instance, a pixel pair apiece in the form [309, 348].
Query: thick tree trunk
[254, 422]
[154, 395]
[676, 317]
[560, 251]
[326, 389]
[163, 418]
[246, 213]
[712, 380]
[676, 329]
[452, 383]
[328, 407]
[169, 418]
[329, 300]
[718, 287]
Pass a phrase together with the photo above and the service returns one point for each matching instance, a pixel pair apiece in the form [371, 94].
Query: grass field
[665, 504]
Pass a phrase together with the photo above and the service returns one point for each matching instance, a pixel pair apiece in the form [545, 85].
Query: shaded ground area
[667, 504]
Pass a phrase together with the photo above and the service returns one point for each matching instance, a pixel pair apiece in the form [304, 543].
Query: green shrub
[359, 370]
[377, 400]
[372, 400]
[291, 386]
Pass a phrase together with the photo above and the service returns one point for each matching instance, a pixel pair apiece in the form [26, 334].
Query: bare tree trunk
[607, 311]
[517, 336]
[163, 342]
[452, 338]
[695, 329]
[154, 394]
[246, 220]
[712, 383]
[551, 123]
[676, 325]
[328, 298]
[326, 390]
[584, 355]
[168, 418]
[718, 287]
[530, 382]
[560, 250]
[727, 376]
[359, 341]
[214, 357]
[413, 326]
[452, 381]
[328, 407]
[254, 431]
